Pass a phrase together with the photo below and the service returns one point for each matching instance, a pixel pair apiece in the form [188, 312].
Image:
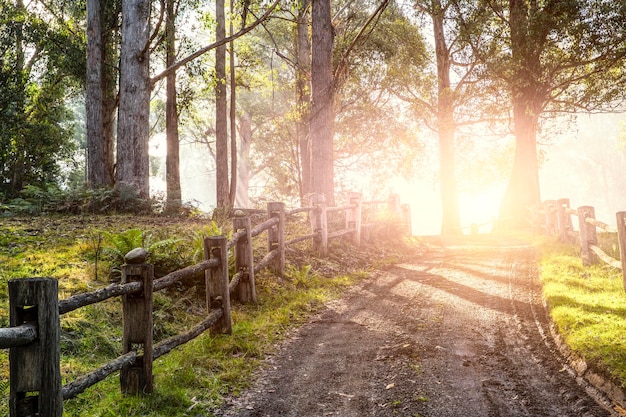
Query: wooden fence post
[564, 220]
[244, 259]
[319, 225]
[588, 235]
[353, 217]
[549, 207]
[406, 218]
[137, 316]
[216, 279]
[276, 237]
[35, 367]
[621, 238]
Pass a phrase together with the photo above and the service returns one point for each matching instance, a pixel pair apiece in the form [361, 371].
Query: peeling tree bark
[134, 109]
[322, 92]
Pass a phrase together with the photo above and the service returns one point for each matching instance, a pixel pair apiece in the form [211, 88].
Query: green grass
[588, 306]
[192, 379]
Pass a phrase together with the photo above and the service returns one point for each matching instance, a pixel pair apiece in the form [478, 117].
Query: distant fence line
[34, 317]
[556, 219]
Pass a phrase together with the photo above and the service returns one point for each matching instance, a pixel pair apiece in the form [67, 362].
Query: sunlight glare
[479, 208]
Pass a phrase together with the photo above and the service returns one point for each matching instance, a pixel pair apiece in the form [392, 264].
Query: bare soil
[454, 331]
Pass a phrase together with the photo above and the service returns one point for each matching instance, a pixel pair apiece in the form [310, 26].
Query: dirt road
[456, 331]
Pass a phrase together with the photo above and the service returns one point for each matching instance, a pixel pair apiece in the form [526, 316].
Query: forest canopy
[282, 99]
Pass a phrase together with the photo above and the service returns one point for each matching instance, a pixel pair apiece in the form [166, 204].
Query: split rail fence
[34, 334]
[557, 220]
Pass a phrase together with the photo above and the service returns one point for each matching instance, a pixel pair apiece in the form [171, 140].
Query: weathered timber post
[588, 235]
[549, 207]
[35, 368]
[276, 237]
[319, 225]
[137, 332]
[216, 280]
[406, 218]
[394, 205]
[564, 220]
[353, 217]
[244, 259]
[621, 238]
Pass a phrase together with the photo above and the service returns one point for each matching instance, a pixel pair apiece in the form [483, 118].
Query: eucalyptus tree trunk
[109, 18]
[134, 99]
[93, 99]
[303, 96]
[221, 112]
[322, 94]
[172, 159]
[17, 180]
[97, 101]
[233, 115]
[101, 93]
[451, 223]
[527, 94]
[243, 167]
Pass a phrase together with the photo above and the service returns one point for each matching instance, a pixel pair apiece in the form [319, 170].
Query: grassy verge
[588, 306]
[193, 379]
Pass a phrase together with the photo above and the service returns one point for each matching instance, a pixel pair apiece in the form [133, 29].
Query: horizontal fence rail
[34, 333]
[556, 219]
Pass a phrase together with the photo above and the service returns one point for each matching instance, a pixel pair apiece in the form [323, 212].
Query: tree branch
[344, 58]
[214, 45]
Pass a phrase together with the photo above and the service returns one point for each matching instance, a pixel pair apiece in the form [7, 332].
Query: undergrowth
[588, 306]
[84, 253]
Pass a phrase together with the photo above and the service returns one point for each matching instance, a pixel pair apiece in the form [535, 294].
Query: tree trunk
[221, 112]
[322, 91]
[17, 183]
[233, 116]
[172, 159]
[134, 108]
[303, 97]
[93, 100]
[451, 223]
[110, 73]
[522, 191]
[101, 94]
[528, 96]
[243, 167]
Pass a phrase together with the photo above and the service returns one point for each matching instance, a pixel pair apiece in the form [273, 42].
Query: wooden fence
[34, 333]
[556, 219]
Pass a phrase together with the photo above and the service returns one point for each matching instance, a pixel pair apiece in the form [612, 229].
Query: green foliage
[166, 254]
[192, 379]
[37, 62]
[197, 239]
[49, 198]
[300, 277]
[587, 306]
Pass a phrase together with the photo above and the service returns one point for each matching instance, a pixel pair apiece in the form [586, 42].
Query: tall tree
[446, 105]
[110, 18]
[233, 111]
[451, 223]
[558, 56]
[96, 176]
[322, 95]
[303, 94]
[172, 161]
[101, 92]
[132, 168]
[221, 111]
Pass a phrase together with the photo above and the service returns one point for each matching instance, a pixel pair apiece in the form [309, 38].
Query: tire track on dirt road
[457, 331]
